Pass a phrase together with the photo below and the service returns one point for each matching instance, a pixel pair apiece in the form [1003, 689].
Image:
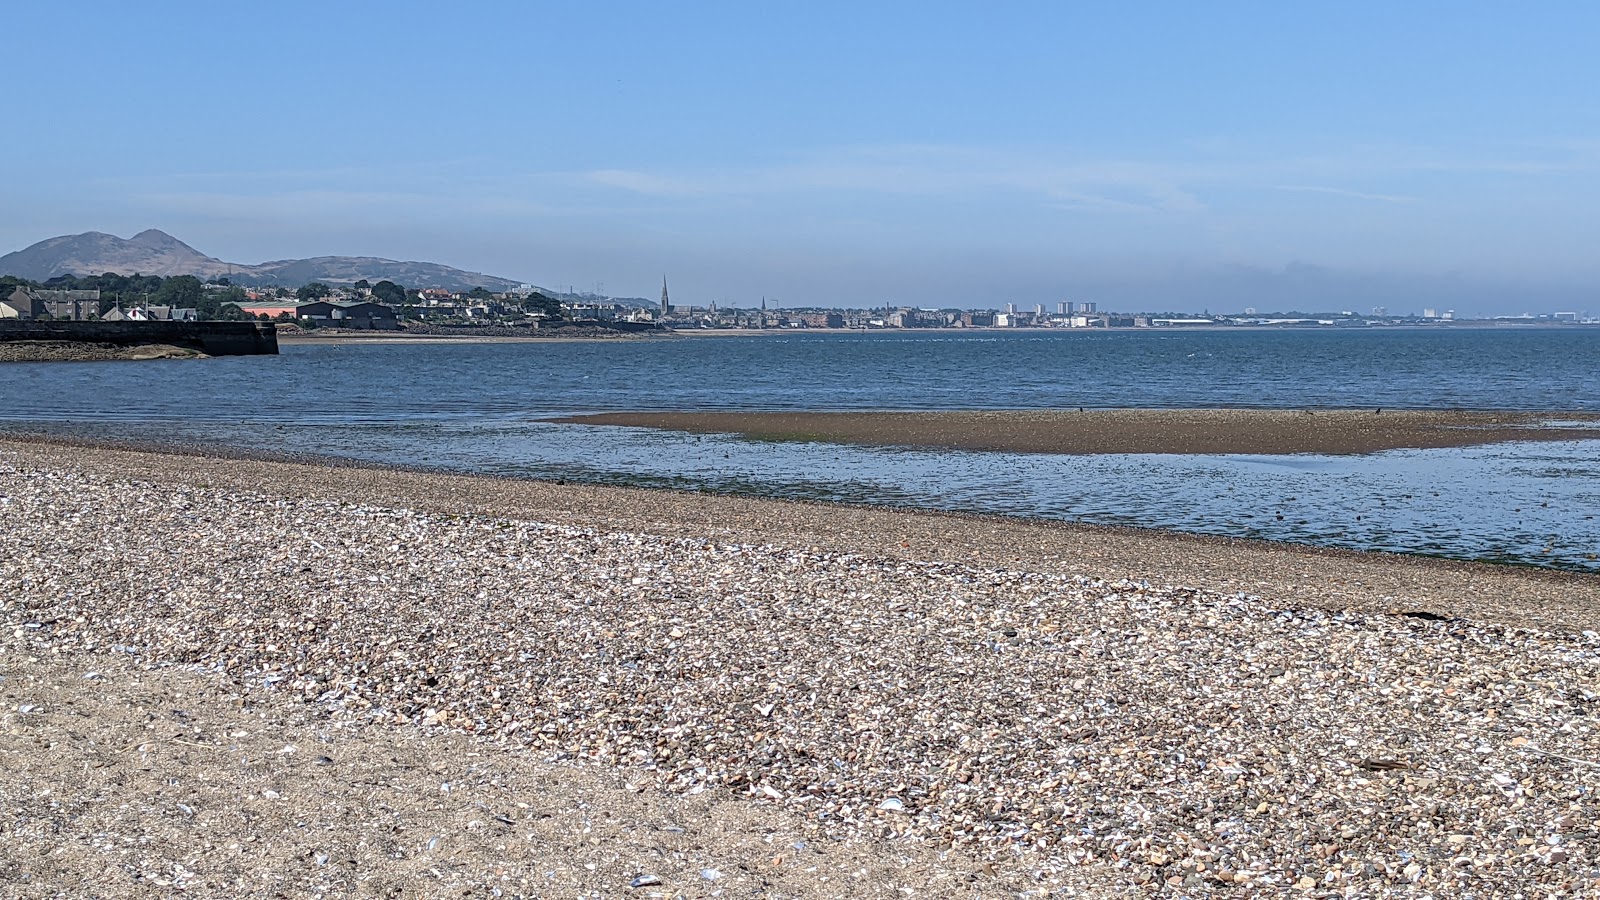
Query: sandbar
[1203, 431]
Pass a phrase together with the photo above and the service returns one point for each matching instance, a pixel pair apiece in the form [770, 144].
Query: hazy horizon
[942, 156]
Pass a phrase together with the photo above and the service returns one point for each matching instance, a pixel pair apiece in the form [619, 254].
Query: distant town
[387, 305]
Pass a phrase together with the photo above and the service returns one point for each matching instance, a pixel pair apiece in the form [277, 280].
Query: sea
[484, 408]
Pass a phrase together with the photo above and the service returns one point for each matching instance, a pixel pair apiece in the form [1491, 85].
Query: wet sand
[1295, 573]
[1129, 430]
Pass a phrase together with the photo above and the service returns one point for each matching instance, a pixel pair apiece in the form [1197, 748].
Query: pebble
[1151, 734]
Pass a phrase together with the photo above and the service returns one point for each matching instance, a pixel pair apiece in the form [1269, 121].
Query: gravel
[1075, 735]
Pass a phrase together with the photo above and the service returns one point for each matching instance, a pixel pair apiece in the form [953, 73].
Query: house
[37, 303]
[19, 304]
[152, 314]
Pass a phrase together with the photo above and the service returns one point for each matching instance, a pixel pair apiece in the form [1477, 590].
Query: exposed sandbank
[1129, 430]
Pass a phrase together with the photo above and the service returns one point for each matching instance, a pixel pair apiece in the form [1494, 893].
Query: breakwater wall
[210, 338]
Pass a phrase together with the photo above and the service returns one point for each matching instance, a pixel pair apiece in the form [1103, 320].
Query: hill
[155, 252]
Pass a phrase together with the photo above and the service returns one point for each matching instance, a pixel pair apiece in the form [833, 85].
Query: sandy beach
[250, 678]
[1129, 430]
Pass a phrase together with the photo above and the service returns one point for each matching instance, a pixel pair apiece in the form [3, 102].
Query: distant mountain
[155, 252]
[92, 253]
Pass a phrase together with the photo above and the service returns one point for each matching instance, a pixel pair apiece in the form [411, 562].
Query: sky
[1145, 156]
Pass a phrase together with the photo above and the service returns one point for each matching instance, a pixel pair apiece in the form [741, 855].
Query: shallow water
[1525, 502]
[477, 408]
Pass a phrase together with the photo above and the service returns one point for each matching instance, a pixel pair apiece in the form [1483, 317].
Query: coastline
[337, 337]
[1159, 431]
[1325, 577]
[971, 705]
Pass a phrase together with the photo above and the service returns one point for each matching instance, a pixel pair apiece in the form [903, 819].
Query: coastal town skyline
[74, 261]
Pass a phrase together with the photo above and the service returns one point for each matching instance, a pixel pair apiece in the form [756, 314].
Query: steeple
[666, 305]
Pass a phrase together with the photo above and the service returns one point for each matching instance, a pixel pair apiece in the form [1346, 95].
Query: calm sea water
[477, 407]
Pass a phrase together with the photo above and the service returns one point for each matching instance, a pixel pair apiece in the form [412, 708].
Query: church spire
[666, 305]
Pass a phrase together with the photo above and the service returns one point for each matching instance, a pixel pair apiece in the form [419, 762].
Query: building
[666, 304]
[274, 310]
[39, 303]
[153, 314]
[821, 319]
[19, 304]
[363, 314]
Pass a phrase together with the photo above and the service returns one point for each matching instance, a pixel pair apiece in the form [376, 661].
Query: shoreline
[1373, 581]
[399, 337]
[1117, 431]
[398, 676]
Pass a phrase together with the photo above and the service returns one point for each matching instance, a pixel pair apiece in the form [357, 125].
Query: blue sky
[1154, 156]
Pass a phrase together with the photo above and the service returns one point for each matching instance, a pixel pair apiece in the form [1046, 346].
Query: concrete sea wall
[211, 338]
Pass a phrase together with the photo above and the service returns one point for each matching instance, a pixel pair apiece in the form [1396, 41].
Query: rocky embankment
[973, 720]
[86, 351]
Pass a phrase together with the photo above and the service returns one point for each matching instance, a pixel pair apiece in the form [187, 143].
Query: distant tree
[214, 303]
[230, 312]
[542, 305]
[181, 291]
[362, 285]
[480, 293]
[281, 293]
[389, 292]
[316, 290]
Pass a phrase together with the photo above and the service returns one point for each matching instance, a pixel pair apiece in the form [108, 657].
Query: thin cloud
[927, 171]
[1341, 192]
